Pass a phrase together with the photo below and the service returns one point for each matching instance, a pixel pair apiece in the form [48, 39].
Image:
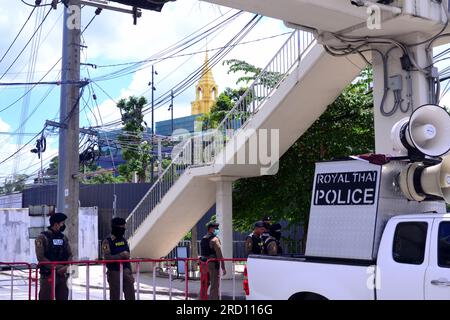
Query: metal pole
[154, 282]
[104, 281]
[153, 123]
[37, 284]
[159, 157]
[220, 284]
[186, 278]
[170, 282]
[42, 169]
[138, 273]
[53, 275]
[70, 283]
[153, 100]
[171, 109]
[12, 282]
[87, 282]
[234, 279]
[30, 275]
[68, 165]
[121, 281]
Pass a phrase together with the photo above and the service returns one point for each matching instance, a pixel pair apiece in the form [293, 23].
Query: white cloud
[125, 47]
[112, 38]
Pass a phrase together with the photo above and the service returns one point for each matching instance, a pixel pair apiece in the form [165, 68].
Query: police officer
[254, 243]
[272, 246]
[211, 248]
[53, 245]
[115, 247]
[267, 223]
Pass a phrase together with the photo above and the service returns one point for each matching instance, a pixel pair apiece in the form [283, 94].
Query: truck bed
[291, 277]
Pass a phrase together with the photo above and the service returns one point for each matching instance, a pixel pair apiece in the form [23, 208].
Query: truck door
[437, 281]
[403, 259]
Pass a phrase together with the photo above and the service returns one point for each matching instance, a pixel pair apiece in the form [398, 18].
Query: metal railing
[202, 149]
[101, 292]
[205, 284]
[10, 277]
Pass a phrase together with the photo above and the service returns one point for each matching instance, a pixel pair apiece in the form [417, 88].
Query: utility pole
[68, 164]
[153, 122]
[171, 111]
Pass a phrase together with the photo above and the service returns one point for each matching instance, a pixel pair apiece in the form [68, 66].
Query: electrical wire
[18, 34]
[26, 45]
[195, 75]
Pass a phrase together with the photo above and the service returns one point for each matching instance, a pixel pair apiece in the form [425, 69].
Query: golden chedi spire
[206, 91]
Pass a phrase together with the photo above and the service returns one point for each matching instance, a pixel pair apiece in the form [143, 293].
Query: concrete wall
[88, 234]
[15, 242]
[13, 200]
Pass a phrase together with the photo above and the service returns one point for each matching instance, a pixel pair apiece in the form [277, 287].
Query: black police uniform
[51, 246]
[112, 248]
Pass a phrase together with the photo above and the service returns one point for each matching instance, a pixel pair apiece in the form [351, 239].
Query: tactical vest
[55, 250]
[117, 246]
[205, 249]
[268, 241]
[257, 244]
[56, 246]
[265, 236]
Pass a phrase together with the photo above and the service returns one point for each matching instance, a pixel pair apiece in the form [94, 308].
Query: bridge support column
[224, 216]
[414, 89]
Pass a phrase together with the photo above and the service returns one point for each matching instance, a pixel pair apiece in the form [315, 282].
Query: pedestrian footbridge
[290, 94]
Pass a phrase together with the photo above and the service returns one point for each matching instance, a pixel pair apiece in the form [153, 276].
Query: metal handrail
[284, 61]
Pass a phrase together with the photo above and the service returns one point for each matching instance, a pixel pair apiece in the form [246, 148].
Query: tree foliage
[15, 184]
[346, 128]
[225, 102]
[135, 150]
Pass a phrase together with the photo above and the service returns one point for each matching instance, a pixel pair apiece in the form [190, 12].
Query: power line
[196, 74]
[183, 46]
[26, 45]
[21, 148]
[41, 79]
[193, 53]
[18, 34]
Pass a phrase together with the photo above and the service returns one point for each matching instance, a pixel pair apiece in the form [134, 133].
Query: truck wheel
[307, 296]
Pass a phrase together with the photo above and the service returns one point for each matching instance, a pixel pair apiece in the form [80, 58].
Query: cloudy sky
[110, 42]
[111, 39]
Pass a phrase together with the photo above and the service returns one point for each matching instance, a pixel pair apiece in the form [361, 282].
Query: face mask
[62, 228]
[118, 232]
[216, 232]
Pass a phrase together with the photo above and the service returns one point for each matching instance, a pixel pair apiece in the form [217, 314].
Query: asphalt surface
[20, 291]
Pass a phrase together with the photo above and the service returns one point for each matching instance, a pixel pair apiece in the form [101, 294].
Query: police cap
[57, 217]
[267, 219]
[260, 224]
[118, 222]
[212, 224]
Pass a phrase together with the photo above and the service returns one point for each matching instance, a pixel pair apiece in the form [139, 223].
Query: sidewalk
[162, 284]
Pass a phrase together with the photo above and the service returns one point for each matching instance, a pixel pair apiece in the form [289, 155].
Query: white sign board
[344, 210]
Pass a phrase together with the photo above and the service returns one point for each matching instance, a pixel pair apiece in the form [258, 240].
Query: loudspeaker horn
[427, 131]
[418, 181]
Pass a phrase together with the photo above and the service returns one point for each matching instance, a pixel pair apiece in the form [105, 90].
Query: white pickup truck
[413, 263]
[363, 242]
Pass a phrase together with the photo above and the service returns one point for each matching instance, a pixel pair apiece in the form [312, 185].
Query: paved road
[20, 291]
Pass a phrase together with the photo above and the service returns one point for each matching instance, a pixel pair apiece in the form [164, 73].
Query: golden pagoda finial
[206, 90]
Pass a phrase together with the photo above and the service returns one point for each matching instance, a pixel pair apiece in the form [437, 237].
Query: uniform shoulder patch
[38, 243]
